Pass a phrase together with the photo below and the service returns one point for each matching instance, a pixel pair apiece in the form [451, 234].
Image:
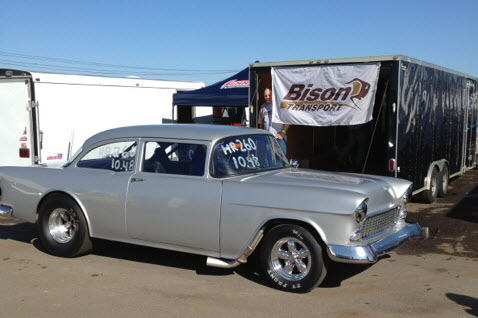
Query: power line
[104, 71]
[69, 61]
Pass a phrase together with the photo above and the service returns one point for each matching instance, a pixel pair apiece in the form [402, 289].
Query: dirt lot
[433, 278]
[453, 220]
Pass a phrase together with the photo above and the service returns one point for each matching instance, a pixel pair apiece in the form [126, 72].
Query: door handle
[137, 179]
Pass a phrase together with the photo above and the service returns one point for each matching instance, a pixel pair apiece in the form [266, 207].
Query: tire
[62, 227]
[430, 195]
[443, 178]
[292, 259]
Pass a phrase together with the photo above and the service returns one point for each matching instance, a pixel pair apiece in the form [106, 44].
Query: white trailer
[45, 118]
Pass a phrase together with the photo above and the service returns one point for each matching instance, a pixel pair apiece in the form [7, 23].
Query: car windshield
[72, 158]
[246, 154]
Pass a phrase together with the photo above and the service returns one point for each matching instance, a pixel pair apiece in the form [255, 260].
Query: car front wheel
[63, 229]
[292, 259]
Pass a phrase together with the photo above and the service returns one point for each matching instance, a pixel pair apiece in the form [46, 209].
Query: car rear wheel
[63, 229]
[443, 179]
[292, 259]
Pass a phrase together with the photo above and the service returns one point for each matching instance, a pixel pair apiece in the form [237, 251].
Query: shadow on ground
[27, 233]
[467, 208]
[339, 272]
[18, 231]
[336, 272]
[14, 229]
[156, 256]
[465, 301]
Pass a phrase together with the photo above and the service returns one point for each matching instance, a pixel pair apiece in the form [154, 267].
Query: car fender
[74, 197]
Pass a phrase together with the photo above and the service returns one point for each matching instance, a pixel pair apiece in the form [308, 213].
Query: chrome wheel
[433, 186]
[291, 259]
[444, 180]
[62, 225]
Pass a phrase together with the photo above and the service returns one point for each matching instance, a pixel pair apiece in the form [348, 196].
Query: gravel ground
[452, 220]
[433, 278]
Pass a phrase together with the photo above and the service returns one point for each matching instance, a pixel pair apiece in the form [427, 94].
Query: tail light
[392, 165]
[24, 152]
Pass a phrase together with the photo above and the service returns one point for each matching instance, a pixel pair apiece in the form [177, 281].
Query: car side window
[174, 158]
[118, 157]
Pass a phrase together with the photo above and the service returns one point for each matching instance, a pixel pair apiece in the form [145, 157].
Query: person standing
[265, 121]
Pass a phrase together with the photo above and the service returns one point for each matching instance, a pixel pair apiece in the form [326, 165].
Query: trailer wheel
[443, 179]
[430, 195]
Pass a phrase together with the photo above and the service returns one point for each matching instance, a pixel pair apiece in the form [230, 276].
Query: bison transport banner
[333, 95]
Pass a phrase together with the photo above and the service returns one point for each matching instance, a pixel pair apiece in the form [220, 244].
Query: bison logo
[360, 89]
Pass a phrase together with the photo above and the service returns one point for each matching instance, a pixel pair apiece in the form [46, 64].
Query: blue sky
[208, 41]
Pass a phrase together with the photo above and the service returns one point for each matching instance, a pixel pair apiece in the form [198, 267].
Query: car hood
[382, 192]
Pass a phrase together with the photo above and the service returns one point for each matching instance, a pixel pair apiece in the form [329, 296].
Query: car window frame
[142, 153]
[105, 142]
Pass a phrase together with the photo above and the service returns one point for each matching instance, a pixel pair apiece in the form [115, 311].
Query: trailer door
[15, 123]
[470, 126]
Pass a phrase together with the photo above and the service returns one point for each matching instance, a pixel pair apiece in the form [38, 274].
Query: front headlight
[407, 196]
[361, 211]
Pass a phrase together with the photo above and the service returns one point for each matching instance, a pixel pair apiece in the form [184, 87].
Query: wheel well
[49, 195]
[272, 223]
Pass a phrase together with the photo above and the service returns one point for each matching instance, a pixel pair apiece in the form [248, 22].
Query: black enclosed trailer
[424, 125]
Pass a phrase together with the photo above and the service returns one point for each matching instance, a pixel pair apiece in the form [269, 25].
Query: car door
[171, 200]
[100, 179]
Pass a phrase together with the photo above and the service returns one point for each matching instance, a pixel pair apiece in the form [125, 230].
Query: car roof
[174, 131]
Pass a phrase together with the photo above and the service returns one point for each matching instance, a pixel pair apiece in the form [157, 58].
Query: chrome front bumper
[5, 210]
[369, 253]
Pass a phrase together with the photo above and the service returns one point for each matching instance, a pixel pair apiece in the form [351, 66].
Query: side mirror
[294, 163]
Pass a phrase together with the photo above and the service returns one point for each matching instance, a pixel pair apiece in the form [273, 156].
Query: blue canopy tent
[231, 92]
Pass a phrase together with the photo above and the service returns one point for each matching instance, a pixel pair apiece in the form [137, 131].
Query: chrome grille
[379, 222]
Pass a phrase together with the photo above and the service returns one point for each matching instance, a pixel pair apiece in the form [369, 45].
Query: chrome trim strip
[369, 253]
[5, 210]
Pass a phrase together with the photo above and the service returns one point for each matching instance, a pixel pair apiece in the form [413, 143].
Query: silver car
[217, 191]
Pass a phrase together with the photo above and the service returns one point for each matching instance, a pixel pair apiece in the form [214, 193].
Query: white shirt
[267, 124]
